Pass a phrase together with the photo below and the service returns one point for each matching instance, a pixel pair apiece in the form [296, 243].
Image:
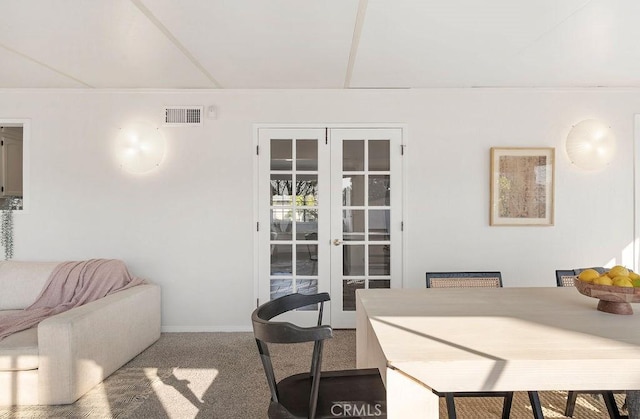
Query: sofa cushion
[19, 351]
[21, 282]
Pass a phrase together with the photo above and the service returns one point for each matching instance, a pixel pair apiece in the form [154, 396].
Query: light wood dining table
[491, 339]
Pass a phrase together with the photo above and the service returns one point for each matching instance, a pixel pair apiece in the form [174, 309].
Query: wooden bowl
[614, 300]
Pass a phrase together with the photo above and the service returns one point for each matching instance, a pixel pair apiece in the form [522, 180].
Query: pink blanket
[70, 285]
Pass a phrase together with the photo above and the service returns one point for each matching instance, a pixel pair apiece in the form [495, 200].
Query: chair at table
[564, 278]
[317, 393]
[464, 280]
[477, 280]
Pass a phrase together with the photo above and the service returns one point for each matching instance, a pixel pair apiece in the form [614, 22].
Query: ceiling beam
[55, 70]
[175, 41]
[355, 41]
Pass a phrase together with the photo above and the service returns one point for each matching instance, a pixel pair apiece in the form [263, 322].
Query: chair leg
[612, 407]
[535, 405]
[451, 406]
[571, 403]
[506, 407]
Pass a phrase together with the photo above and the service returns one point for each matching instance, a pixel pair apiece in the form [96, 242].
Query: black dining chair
[464, 280]
[317, 393]
[478, 280]
[564, 278]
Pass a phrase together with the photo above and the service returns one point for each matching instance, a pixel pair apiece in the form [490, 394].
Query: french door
[330, 215]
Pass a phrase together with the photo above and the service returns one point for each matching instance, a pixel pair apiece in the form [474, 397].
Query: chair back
[464, 280]
[564, 278]
[265, 330]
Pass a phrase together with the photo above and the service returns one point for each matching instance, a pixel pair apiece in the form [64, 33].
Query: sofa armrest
[82, 346]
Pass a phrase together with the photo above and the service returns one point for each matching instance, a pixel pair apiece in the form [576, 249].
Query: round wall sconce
[140, 147]
[591, 144]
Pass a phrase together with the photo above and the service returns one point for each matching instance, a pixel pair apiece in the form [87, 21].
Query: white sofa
[67, 354]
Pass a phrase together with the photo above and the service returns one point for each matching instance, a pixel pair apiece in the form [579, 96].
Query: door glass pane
[307, 155]
[281, 287]
[306, 190]
[352, 155]
[379, 155]
[379, 221]
[379, 193]
[281, 188]
[281, 224]
[379, 283]
[307, 224]
[281, 260]
[379, 260]
[307, 286]
[352, 225]
[352, 260]
[307, 259]
[349, 288]
[353, 190]
[281, 154]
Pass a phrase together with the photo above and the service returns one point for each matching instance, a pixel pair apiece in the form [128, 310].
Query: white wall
[189, 226]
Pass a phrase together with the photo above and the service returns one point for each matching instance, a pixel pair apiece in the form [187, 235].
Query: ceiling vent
[181, 116]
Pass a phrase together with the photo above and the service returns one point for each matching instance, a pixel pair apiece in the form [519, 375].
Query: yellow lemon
[622, 281]
[603, 280]
[588, 275]
[636, 283]
[618, 270]
[633, 275]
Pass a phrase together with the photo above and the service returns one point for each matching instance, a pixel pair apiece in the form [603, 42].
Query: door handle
[337, 242]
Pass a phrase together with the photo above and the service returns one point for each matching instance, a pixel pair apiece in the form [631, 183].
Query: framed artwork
[522, 186]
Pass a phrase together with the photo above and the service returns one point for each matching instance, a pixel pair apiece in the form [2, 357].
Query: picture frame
[522, 186]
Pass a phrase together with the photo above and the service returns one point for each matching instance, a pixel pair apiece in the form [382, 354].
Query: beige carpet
[120, 394]
[219, 375]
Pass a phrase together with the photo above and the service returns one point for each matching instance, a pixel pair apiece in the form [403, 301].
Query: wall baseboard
[206, 329]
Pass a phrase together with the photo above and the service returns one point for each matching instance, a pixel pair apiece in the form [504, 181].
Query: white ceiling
[282, 44]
